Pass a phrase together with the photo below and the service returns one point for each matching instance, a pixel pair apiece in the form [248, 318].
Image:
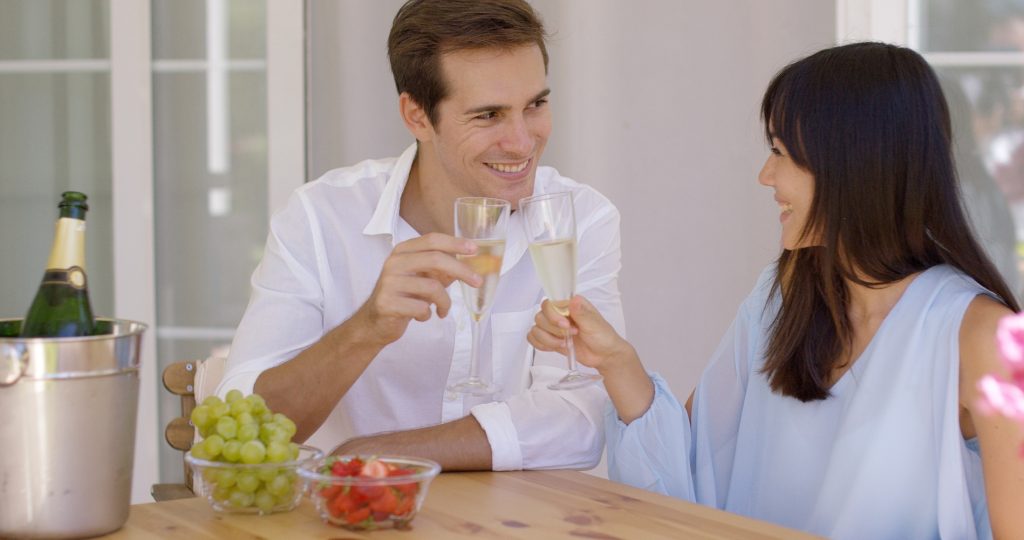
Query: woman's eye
[776, 151]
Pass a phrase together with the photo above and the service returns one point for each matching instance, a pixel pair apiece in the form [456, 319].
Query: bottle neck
[68, 244]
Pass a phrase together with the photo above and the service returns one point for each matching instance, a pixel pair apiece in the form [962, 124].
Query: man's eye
[540, 102]
[490, 115]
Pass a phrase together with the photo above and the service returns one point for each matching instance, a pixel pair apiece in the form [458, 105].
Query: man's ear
[415, 118]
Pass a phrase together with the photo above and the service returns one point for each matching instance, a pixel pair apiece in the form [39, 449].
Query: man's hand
[413, 278]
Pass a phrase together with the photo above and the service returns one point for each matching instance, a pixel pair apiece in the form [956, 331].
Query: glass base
[474, 386]
[575, 379]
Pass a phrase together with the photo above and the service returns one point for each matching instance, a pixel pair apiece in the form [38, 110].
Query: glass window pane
[54, 29]
[972, 25]
[55, 136]
[987, 105]
[179, 29]
[210, 161]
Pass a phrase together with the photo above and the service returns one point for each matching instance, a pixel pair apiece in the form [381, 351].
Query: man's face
[492, 128]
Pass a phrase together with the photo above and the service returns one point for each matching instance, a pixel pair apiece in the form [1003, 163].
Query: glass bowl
[369, 492]
[262, 488]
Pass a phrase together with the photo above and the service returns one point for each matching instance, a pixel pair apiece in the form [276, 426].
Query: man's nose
[517, 139]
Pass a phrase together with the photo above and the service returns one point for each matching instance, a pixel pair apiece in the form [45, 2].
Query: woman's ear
[415, 117]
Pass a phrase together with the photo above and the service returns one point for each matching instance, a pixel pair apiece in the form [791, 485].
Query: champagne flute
[550, 223]
[484, 221]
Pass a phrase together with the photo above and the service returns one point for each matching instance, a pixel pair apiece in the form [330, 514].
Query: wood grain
[512, 505]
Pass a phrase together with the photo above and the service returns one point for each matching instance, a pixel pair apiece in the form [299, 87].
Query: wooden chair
[193, 380]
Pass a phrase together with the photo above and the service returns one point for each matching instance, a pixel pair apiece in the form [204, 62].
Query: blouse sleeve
[650, 452]
[669, 452]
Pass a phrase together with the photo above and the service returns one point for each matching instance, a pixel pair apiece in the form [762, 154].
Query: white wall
[656, 105]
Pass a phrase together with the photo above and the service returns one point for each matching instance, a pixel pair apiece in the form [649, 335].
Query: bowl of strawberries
[369, 492]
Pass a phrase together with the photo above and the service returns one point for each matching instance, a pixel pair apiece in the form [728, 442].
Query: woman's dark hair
[424, 30]
[869, 122]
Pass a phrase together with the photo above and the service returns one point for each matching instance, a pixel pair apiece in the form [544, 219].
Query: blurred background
[188, 122]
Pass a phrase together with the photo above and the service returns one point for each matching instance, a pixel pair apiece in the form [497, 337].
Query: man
[356, 324]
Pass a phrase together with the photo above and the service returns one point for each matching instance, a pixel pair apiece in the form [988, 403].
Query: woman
[842, 400]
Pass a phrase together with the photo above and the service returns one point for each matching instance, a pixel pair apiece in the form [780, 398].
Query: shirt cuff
[496, 419]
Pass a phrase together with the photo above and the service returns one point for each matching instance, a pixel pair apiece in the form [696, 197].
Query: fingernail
[469, 247]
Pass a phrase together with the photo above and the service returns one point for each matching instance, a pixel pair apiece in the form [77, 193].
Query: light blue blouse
[882, 458]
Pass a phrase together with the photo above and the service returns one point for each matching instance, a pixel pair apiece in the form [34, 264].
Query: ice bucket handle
[13, 362]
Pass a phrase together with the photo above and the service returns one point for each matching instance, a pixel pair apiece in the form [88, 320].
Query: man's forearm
[308, 387]
[460, 445]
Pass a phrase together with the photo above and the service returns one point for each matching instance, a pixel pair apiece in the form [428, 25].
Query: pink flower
[1010, 336]
[1006, 397]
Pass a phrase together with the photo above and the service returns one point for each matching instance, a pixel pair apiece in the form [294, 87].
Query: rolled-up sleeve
[550, 429]
[285, 312]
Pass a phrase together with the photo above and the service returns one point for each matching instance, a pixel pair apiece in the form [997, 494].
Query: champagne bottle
[61, 307]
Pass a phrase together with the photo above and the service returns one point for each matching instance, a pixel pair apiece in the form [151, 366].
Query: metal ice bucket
[67, 430]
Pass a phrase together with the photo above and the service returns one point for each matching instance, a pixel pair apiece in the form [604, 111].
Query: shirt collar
[385, 216]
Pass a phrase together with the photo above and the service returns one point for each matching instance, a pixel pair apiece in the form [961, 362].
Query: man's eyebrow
[498, 108]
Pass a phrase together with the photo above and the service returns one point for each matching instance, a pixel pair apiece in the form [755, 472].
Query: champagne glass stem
[474, 352]
[570, 348]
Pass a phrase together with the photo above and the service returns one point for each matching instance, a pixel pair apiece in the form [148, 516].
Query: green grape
[199, 451]
[266, 417]
[210, 401]
[271, 432]
[240, 406]
[233, 396]
[210, 475]
[280, 485]
[278, 452]
[265, 501]
[286, 424]
[206, 431]
[219, 409]
[244, 418]
[259, 406]
[213, 445]
[221, 493]
[240, 499]
[287, 497]
[266, 474]
[294, 449]
[226, 477]
[227, 427]
[232, 451]
[247, 482]
[253, 452]
[248, 432]
[201, 416]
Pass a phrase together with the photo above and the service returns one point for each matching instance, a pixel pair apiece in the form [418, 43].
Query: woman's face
[794, 192]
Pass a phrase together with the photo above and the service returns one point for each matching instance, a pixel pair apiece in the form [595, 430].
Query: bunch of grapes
[242, 430]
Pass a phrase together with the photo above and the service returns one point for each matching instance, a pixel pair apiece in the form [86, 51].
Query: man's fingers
[423, 289]
[439, 266]
[437, 242]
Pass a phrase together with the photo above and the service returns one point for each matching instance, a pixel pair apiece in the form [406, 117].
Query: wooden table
[527, 505]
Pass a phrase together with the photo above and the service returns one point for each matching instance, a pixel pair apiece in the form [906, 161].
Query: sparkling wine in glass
[550, 223]
[484, 221]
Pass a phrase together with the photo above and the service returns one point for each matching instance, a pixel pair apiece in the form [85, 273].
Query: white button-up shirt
[323, 256]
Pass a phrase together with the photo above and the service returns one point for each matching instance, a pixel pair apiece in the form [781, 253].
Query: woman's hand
[598, 345]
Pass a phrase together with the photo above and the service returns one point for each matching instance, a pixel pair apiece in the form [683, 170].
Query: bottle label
[74, 276]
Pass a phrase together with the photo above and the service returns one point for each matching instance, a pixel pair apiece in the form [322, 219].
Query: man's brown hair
[424, 30]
